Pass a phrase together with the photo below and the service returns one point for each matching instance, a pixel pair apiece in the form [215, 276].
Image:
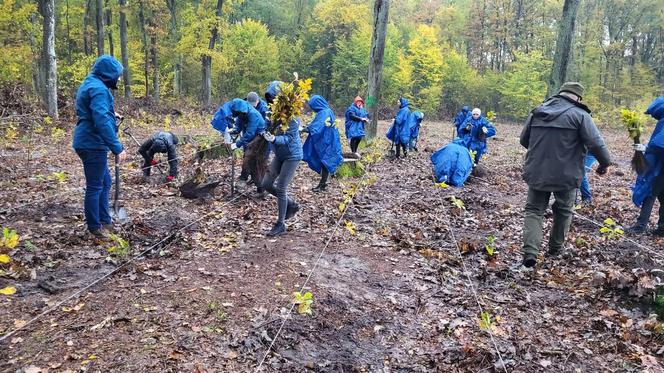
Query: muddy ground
[391, 289]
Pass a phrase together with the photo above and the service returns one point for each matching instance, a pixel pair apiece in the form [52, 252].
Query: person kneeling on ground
[322, 149]
[556, 134]
[160, 142]
[356, 119]
[649, 186]
[287, 156]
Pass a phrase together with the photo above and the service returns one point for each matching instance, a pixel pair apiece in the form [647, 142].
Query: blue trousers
[97, 187]
[586, 193]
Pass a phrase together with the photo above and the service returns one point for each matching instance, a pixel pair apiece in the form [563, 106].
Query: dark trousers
[97, 187]
[399, 147]
[563, 211]
[355, 143]
[324, 174]
[283, 172]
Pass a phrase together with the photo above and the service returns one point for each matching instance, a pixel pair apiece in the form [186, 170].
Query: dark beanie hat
[572, 87]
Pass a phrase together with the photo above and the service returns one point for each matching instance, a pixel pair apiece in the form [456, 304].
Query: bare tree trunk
[87, 43]
[100, 27]
[155, 68]
[206, 61]
[126, 76]
[381, 10]
[37, 69]
[70, 47]
[177, 69]
[109, 21]
[146, 48]
[563, 46]
[47, 10]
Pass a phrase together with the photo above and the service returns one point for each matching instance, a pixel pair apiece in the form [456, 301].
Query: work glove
[119, 117]
[469, 127]
[153, 163]
[234, 131]
[601, 170]
[485, 130]
[268, 137]
[639, 148]
[169, 178]
[227, 137]
[233, 146]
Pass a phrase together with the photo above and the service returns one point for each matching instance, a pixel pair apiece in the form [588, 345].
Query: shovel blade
[119, 214]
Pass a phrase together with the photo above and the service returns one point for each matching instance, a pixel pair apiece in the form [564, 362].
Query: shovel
[118, 212]
[126, 132]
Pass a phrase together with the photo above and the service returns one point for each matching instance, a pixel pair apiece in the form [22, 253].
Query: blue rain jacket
[249, 121]
[288, 146]
[399, 131]
[263, 109]
[96, 127]
[355, 127]
[643, 187]
[415, 123]
[471, 139]
[223, 118]
[323, 145]
[461, 117]
[452, 164]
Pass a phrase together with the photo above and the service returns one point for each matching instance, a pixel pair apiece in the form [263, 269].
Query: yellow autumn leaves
[8, 242]
[289, 102]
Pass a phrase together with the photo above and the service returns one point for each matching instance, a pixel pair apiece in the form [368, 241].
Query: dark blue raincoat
[474, 139]
[95, 109]
[415, 123]
[399, 132]
[249, 121]
[355, 127]
[323, 145]
[643, 187]
[223, 118]
[452, 164]
[461, 117]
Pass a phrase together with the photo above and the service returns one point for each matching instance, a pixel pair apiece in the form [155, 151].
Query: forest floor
[389, 278]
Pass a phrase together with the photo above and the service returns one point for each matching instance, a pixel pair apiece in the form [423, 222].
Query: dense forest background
[494, 54]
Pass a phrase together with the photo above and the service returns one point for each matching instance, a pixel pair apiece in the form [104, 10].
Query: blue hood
[318, 103]
[272, 90]
[656, 108]
[403, 102]
[418, 116]
[465, 109]
[108, 69]
[239, 106]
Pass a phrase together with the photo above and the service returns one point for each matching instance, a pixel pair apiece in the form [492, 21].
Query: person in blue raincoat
[322, 149]
[249, 123]
[461, 117]
[473, 132]
[258, 104]
[649, 185]
[399, 132]
[356, 119]
[272, 90]
[452, 164]
[224, 121]
[415, 123]
[94, 136]
[287, 148]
